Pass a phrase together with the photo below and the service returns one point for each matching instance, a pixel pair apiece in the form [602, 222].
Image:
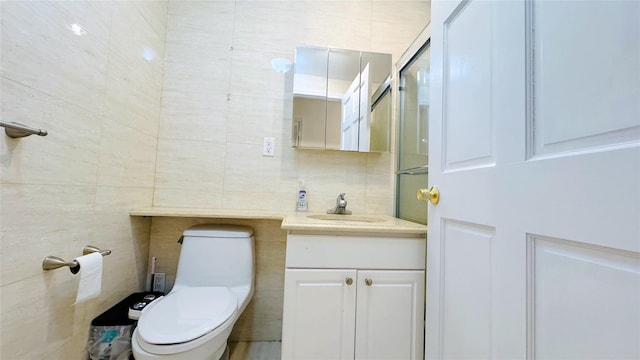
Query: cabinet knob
[348, 281]
[368, 281]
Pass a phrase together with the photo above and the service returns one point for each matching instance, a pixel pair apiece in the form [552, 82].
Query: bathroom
[163, 103]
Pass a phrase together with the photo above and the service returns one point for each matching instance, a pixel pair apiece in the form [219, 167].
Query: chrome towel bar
[17, 130]
[54, 262]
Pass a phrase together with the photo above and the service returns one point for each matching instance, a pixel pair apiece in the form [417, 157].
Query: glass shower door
[413, 135]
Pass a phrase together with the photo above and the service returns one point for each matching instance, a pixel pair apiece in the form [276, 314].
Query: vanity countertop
[296, 221]
[299, 221]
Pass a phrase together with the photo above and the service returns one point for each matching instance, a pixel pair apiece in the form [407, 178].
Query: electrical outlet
[158, 282]
[269, 147]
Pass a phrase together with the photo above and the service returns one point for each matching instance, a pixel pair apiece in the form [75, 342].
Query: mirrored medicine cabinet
[341, 100]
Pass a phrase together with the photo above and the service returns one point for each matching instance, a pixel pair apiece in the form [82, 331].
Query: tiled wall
[90, 73]
[221, 97]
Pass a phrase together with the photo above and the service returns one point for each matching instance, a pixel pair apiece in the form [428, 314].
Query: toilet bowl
[214, 284]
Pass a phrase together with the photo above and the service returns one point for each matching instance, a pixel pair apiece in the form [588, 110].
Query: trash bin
[110, 332]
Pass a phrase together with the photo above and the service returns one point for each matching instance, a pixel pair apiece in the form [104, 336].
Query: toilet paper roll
[90, 277]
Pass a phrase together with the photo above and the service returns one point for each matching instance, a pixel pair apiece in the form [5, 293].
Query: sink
[338, 217]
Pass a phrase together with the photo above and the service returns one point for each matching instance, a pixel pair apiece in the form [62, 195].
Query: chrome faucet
[341, 206]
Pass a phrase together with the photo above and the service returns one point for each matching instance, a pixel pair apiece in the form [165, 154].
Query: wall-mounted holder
[54, 262]
[17, 130]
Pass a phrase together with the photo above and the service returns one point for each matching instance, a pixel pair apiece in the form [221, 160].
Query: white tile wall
[219, 89]
[339, 24]
[268, 26]
[190, 164]
[99, 98]
[37, 36]
[72, 130]
[391, 22]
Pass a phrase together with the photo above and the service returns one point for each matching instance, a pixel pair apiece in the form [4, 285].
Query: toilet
[214, 283]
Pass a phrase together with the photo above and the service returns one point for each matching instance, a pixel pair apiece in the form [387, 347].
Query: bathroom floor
[258, 350]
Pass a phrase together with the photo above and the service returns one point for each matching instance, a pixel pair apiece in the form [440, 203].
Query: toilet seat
[183, 316]
[217, 339]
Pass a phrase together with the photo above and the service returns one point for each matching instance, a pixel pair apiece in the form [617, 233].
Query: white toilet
[213, 286]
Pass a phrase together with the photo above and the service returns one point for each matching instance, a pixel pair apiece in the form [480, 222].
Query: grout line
[226, 142]
[164, 63]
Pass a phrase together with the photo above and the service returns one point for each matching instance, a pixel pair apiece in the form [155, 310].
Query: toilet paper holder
[54, 262]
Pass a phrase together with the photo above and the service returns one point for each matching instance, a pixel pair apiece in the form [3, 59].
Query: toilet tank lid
[219, 231]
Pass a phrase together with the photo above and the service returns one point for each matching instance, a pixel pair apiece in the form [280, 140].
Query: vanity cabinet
[353, 297]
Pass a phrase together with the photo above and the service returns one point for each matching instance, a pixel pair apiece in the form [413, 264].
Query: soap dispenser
[302, 204]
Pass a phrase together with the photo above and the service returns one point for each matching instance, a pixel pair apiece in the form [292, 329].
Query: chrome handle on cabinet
[348, 281]
[368, 281]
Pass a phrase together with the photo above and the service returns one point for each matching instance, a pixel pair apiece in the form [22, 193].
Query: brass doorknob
[432, 195]
[348, 281]
[368, 281]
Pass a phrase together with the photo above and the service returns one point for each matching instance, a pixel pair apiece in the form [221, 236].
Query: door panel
[590, 288]
[590, 99]
[466, 292]
[562, 161]
[319, 314]
[467, 87]
[390, 313]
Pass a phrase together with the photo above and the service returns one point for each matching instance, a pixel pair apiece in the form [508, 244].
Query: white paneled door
[534, 248]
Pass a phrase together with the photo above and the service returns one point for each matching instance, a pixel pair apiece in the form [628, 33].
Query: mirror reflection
[335, 96]
[309, 97]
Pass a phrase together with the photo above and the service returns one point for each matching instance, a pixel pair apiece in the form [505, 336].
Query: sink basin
[338, 217]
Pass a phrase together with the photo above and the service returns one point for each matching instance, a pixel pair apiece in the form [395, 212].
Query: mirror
[310, 97]
[335, 96]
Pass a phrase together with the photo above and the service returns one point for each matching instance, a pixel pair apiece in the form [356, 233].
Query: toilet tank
[216, 255]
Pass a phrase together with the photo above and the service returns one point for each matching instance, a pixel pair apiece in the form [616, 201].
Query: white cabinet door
[534, 142]
[390, 315]
[319, 314]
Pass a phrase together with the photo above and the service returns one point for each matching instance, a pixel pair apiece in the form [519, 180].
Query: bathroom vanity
[353, 284]
[353, 289]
